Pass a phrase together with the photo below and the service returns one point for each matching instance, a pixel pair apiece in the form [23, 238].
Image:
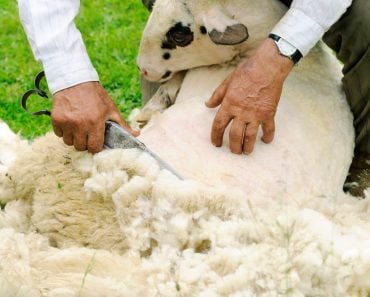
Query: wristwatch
[286, 49]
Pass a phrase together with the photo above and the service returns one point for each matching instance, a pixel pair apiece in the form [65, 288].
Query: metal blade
[117, 137]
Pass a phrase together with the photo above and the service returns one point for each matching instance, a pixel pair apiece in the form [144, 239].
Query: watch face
[286, 48]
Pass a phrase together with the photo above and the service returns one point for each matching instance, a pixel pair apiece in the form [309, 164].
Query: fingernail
[236, 152]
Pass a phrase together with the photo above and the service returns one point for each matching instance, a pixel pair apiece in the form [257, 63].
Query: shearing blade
[117, 137]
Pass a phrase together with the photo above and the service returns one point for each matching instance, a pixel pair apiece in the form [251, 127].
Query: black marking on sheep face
[167, 74]
[168, 45]
[166, 56]
[148, 4]
[178, 35]
[203, 30]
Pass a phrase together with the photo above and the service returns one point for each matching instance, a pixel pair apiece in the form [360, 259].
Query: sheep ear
[233, 34]
[222, 29]
[148, 4]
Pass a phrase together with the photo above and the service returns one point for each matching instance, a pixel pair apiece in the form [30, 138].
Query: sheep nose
[144, 72]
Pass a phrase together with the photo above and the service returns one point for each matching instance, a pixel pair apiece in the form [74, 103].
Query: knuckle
[90, 124]
[221, 119]
[95, 146]
[268, 113]
[64, 121]
[234, 137]
[80, 146]
[94, 149]
[57, 120]
[250, 135]
[218, 126]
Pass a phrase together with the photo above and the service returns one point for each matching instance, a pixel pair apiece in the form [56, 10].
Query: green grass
[111, 31]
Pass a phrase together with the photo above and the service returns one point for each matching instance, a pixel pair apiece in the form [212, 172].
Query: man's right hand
[79, 114]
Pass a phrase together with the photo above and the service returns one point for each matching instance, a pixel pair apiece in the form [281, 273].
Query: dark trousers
[349, 38]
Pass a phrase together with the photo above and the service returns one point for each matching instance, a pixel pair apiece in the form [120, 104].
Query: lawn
[111, 30]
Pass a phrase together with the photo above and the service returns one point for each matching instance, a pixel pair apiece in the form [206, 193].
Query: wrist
[269, 52]
[78, 87]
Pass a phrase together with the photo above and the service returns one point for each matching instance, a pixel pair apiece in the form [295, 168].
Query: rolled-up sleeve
[307, 20]
[56, 42]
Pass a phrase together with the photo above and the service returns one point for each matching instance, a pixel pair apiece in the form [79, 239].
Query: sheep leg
[164, 97]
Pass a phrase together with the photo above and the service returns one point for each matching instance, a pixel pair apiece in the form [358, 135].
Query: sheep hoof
[141, 124]
[234, 34]
[143, 118]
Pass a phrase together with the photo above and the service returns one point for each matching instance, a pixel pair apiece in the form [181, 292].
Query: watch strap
[295, 57]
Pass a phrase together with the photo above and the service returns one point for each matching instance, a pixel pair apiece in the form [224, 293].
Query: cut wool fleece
[114, 224]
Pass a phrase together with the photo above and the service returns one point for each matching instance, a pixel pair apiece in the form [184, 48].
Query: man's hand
[79, 114]
[249, 97]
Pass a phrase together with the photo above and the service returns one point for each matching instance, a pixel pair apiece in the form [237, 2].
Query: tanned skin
[79, 114]
[249, 97]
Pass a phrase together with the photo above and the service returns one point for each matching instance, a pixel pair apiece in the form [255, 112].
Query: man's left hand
[249, 97]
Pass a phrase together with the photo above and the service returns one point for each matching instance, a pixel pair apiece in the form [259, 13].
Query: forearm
[307, 20]
[56, 42]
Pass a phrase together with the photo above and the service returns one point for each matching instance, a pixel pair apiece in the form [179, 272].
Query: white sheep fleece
[10, 144]
[113, 224]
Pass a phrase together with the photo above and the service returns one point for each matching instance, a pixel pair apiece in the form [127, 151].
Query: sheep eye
[180, 35]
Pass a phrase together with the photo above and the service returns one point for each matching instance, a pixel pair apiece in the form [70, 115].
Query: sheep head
[184, 34]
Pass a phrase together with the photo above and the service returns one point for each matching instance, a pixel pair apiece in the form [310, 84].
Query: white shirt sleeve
[56, 42]
[307, 20]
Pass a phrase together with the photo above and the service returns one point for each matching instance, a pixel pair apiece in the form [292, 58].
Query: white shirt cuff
[64, 72]
[299, 30]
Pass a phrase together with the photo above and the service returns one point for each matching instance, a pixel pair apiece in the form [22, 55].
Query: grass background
[111, 31]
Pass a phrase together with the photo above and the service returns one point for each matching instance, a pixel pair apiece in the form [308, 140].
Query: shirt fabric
[57, 43]
[306, 21]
